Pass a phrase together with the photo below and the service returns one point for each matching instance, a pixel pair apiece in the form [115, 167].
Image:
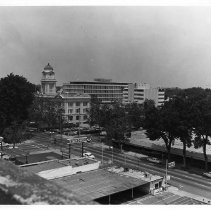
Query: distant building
[104, 89]
[138, 93]
[76, 105]
[48, 81]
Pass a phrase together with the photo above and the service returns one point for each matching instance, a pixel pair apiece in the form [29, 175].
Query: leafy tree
[184, 129]
[161, 123]
[94, 112]
[47, 110]
[16, 96]
[135, 114]
[14, 133]
[202, 125]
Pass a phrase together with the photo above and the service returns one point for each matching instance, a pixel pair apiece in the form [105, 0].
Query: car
[89, 155]
[207, 174]
[154, 160]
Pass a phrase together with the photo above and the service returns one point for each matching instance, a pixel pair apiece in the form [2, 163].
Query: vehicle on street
[155, 160]
[103, 133]
[89, 155]
[207, 174]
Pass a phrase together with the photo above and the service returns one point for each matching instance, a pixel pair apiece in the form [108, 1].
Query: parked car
[154, 160]
[207, 174]
[89, 155]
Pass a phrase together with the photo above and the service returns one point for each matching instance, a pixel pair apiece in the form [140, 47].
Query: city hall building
[75, 105]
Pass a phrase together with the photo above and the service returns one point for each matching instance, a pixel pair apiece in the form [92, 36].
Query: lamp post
[69, 150]
[166, 172]
[102, 152]
[112, 154]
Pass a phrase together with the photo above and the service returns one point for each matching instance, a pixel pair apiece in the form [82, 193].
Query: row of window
[138, 94]
[102, 91]
[70, 111]
[72, 118]
[70, 104]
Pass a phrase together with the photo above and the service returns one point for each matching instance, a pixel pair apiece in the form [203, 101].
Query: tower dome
[48, 67]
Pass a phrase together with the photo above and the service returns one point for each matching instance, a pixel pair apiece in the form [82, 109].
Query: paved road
[192, 183]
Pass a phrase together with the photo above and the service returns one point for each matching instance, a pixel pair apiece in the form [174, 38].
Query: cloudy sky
[163, 46]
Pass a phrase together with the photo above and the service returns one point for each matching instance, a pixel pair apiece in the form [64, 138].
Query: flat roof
[98, 183]
[97, 83]
[53, 164]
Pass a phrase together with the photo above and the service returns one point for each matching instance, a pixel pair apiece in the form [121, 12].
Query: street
[190, 182]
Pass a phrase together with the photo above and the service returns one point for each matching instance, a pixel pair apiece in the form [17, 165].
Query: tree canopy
[17, 95]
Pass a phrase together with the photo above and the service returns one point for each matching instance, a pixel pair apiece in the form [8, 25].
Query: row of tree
[185, 116]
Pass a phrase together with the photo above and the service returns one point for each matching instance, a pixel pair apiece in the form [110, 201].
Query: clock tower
[48, 81]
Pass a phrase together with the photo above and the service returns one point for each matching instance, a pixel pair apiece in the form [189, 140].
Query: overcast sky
[163, 46]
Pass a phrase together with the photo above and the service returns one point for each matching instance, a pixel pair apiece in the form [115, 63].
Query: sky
[165, 46]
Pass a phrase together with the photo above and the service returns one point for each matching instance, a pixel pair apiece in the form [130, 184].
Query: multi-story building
[105, 90]
[140, 92]
[75, 105]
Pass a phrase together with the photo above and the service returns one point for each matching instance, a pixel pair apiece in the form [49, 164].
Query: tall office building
[105, 90]
[140, 92]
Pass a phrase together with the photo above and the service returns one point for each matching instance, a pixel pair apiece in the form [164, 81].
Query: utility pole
[166, 172]
[82, 150]
[102, 152]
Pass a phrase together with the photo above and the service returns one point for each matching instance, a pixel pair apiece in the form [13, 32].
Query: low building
[90, 182]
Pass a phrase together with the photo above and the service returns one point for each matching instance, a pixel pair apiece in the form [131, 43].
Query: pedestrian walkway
[179, 192]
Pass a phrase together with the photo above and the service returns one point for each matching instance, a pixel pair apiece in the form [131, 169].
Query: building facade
[48, 81]
[105, 90]
[138, 93]
[75, 105]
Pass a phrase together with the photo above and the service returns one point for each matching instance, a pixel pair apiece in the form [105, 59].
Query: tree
[94, 112]
[14, 133]
[16, 97]
[202, 125]
[184, 129]
[161, 123]
[48, 110]
[135, 113]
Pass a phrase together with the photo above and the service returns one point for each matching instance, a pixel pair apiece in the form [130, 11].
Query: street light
[69, 150]
[166, 172]
[102, 153]
[112, 154]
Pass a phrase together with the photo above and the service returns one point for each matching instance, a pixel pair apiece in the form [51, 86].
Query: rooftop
[53, 164]
[48, 67]
[94, 82]
[98, 183]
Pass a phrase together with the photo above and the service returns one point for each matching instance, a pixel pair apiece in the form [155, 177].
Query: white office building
[138, 93]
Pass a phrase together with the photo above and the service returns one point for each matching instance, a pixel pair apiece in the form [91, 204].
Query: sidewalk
[179, 192]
